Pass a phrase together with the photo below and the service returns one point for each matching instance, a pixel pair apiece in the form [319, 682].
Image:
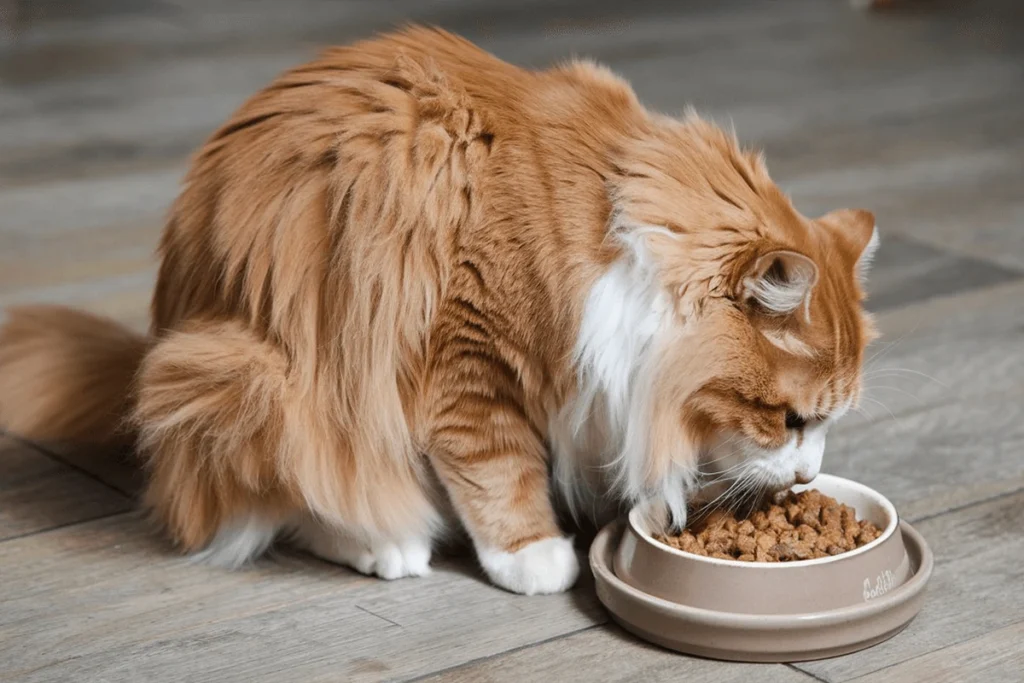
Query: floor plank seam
[811, 674]
[374, 614]
[966, 506]
[43, 450]
[480, 660]
[962, 253]
[58, 527]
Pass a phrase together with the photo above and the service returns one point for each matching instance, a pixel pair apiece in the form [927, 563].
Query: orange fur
[372, 287]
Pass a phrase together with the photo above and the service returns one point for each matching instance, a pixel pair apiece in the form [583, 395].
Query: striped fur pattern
[409, 288]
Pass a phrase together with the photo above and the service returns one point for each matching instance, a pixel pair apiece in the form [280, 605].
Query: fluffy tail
[67, 376]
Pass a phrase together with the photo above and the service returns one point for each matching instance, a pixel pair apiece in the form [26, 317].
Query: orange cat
[410, 286]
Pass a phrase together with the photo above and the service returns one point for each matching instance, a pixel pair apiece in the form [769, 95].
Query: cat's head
[759, 330]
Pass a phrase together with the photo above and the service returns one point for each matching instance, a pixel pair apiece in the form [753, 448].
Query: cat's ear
[867, 255]
[856, 232]
[780, 282]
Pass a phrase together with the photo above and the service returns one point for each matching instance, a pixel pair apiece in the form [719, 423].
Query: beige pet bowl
[761, 612]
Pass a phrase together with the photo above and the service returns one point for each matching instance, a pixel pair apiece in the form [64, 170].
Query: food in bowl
[802, 526]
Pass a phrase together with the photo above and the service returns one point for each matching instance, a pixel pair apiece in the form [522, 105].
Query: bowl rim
[885, 503]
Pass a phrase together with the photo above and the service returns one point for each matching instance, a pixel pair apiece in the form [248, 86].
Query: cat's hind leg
[209, 416]
[378, 557]
[235, 458]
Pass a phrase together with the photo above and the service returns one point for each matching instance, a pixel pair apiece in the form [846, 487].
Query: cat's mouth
[749, 473]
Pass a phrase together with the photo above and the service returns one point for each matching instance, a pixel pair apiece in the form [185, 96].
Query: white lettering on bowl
[884, 583]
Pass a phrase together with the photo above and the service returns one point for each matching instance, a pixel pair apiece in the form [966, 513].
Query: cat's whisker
[750, 491]
[731, 440]
[720, 459]
[722, 495]
[706, 508]
[875, 400]
[722, 474]
[881, 353]
[759, 491]
[882, 372]
[889, 388]
[863, 413]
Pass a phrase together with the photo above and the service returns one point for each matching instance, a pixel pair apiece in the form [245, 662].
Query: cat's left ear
[855, 230]
[781, 282]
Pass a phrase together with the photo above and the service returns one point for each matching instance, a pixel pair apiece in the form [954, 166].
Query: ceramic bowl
[766, 612]
[777, 587]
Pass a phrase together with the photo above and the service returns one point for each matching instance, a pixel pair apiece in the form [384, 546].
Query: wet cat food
[802, 526]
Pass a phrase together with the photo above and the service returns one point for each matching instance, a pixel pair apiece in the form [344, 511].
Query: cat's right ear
[857, 234]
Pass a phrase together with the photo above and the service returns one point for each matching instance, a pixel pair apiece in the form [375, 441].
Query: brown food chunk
[796, 526]
[868, 533]
[746, 545]
[760, 520]
[764, 539]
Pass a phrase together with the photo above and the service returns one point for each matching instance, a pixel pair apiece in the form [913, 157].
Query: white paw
[386, 560]
[546, 566]
[411, 558]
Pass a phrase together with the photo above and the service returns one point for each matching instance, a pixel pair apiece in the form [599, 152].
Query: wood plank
[37, 493]
[995, 657]
[976, 589]
[608, 653]
[106, 601]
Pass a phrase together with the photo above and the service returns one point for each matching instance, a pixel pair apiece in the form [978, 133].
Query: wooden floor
[917, 114]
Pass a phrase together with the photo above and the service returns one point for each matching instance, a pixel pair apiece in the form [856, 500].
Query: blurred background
[908, 110]
[914, 109]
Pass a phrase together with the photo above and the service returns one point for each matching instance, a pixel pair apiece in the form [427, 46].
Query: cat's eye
[794, 421]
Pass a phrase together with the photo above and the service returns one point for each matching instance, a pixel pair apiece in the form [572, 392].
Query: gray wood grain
[107, 601]
[38, 493]
[608, 655]
[995, 657]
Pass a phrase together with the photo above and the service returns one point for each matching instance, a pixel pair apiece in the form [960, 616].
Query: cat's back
[356, 148]
[342, 144]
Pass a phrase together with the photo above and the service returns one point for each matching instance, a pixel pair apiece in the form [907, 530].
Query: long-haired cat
[409, 286]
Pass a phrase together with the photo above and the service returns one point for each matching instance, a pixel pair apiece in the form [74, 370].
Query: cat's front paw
[546, 566]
